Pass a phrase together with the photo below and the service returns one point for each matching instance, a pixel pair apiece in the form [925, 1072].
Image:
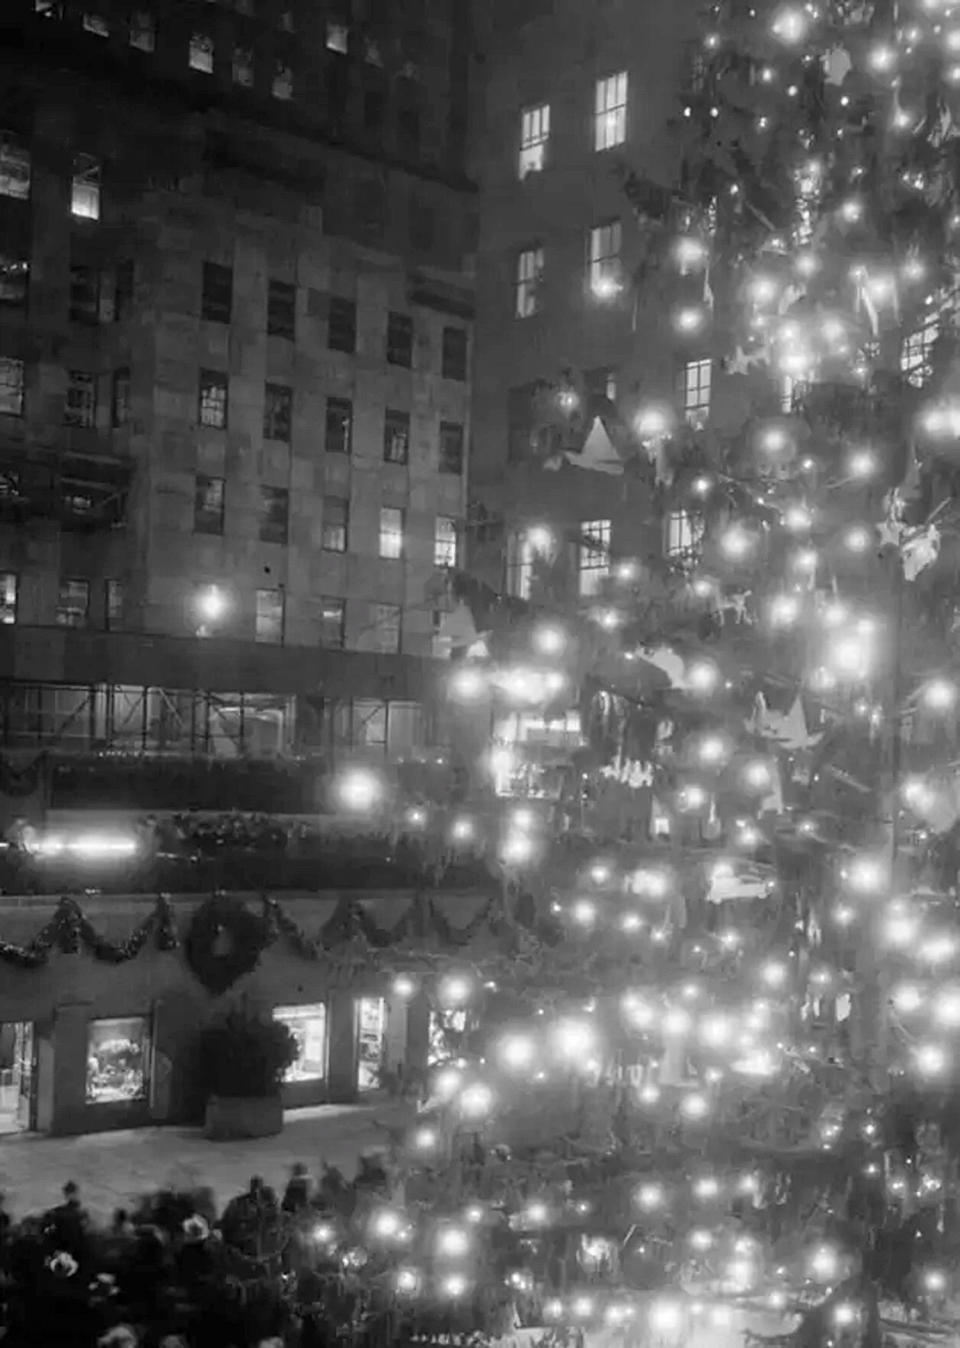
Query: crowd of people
[171, 1273]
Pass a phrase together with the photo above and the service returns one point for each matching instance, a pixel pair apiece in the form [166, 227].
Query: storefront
[118, 1061]
[306, 1080]
[17, 1077]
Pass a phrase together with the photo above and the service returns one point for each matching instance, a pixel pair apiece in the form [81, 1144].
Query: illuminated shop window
[309, 1027]
[117, 1057]
[371, 1042]
[446, 1027]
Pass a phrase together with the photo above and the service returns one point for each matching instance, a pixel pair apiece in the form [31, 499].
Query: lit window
[396, 436]
[213, 400]
[386, 628]
[73, 602]
[80, 407]
[526, 549]
[339, 426]
[696, 391]
[371, 1042]
[534, 137]
[277, 412]
[451, 447]
[602, 383]
[49, 9]
[593, 556]
[11, 387]
[333, 623]
[243, 67]
[336, 524]
[8, 598]
[368, 723]
[268, 627]
[282, 85]
[445, 541]
[338, 37]
[85, 189]
[113, 597]
[391, 532]
[120, 398]
[208, 504]
[96, 24]
[143, 31]
[528, 282]
[274, 515]
[117, 1055]
[14, 166]
[308, 1025]
[14, 279]
[684, 534]
[604, 259]
[201, 53]
[610, 112]
[916, 351]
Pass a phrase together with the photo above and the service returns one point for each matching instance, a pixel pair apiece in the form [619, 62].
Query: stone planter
[243, 1116]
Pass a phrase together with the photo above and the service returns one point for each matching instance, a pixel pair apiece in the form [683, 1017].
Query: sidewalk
[113, 1169]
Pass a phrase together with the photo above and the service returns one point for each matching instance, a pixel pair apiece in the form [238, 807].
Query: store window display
[308, 1025]
[117, 1060]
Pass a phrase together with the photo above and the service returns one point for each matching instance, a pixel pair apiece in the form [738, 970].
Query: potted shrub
[241, 1062]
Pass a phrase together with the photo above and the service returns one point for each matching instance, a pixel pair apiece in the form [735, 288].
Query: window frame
[278, 614]
[610, 107]
[142, 30]
[202, 44]
[63, 610]
[454, 353]
[278, 412]
[345, 324]
[340, 529]
[120, 381]
[86, 188]
[446, 544]
[113, 604]
[399, 339]
[683, 532]
[534, 139]
[9, 598]
[15, 154]
[209, 518]
[329, 603]
[282, 310]
[212, 382]
[273, 522]
[593, 556]
[391, 539]
[528, 280]
[696, 390]
[80, 400]
[604, 257]
[216, 293]
[396, 436]
[449, 432]
[381, 611]
[338, 411]
[12, 365]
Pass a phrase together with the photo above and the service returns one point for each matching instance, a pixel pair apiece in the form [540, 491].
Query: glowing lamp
[323, 1233]
[735, 542]
[574, 1038]
[931, 1060]
[763, 290]
[582, 1307]
[476, 1101]
[553, 1309]
[454, 990]
[359, 790]
[790, 25]
[824, 1264]
[517, 1051]
[600, 873]
[939, 695]
[677, 1022]
[404, 986]
[650, 1197]
[407, 1281]
[866, 875]
[584, 912]
[702, 676]
[385, 1224]
[694, 1107]
[857, 539]
[666, 1317]
[693, 798]
[462, 830]
[690, 319]
[649, 1094]
[652, 423]
[797, 519]
[425, 1139]
[690, 252]
[851, 211]
[474, 1214]
[946, 1008]
[523, 820]
[757, 776]
[454, 1285]
[212, 604]
[701, 1239]
[416, 817]
[549, 640]
[517, 850]
[882, 58]
[907, 998]
[712, 749]
[468, 683]
[935, 1280]
[774, 974]
[706, 1188]
[539, 538]
[453, 1243]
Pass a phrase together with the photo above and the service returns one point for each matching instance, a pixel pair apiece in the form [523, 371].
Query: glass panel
[371, 1041]
[117, 1060]
[309, 1027]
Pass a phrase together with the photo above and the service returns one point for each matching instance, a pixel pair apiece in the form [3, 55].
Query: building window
[282, 84]
[117, 1055]
[80, 408]
[113, 597]
[120, 398]
[14, 166]
[445, 541]
[684, 533]
[400, 339]
[11, 387]
[274, 515]
[338, 426]
[308, 1025]
[391, 532]
[95, 24]
[534, 138]
[143, 30]
[277, 412]
[269, 619]
[529, 278]
[85, 188]
[374, 108]
[593, 559]
[243, 67]
[216, 300]
[610, 112]
[201, 53]
[8, 598]
[386, 628]
[396, 436]
[333, 623]
[123, 290]
[281, 310]
[526, 548]
[338, 37]
[213, 399]
[209, 496]
[73, 603]
[371, 1042]
[336, 524]
[451, 447]
[342, 325]
[696, 391]
[602, 384]
[14, 279]
[453, 360]
[84, 294]
[603, 263]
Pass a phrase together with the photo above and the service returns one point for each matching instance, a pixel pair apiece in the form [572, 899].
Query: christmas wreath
[224, 942]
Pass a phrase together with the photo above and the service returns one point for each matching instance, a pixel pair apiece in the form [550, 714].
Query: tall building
[236, 298]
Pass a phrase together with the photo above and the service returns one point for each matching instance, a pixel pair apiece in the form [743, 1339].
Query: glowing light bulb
[851, 211]
[774, 974]
[861, 464]
[702, 677]
[690, 252]
[824, 1264]
[774, 439]
[931, 1060]
[735, 542]
[907, 998]
[454, 1285]
[404, 986]
[549, 640]
[866, 875]
[939, 695]
[712, 749]
[693, 797]
[784, 610]
[882, 58]
[359, 790]
[476, 1101]
[653, 422]
[791, 25]
[425, 1139]
[706, 1188]
[584, 912]
[690, 319]
[946, 1008]
[462, 830]
[517, 1051]
[453, 1242]
[757, 775]
[694, 1107]
[468, 683]
[574, 1039]
[385, 1224]
[665, 1317]
[407, 1281]
[797, 519]
[650, 1197]
[517, 850]
[763, 290]
[935, 1280]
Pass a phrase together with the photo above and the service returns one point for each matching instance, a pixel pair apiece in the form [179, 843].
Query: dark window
[84, 294]
[408, 117]
[342, 327]
[213, 399]
[453, 361]
[333, 623]
[274, 514]
[120, 398]
[123, 290]
[80, 408]
[400, 339]
[370, 207]
[277, 412]
[339, 426]
[113, 605]
[216, 305]
[14, 276]
[270, 617]
[396, 437]
[208, 502]
[423, 226]
[73, 602]
[374, 108]
[336, 524]
[281, 310]
[451, 447]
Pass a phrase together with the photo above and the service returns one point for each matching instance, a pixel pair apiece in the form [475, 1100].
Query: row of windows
[604, 268]
[16, 173]
[75, 602]
[609, 123]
